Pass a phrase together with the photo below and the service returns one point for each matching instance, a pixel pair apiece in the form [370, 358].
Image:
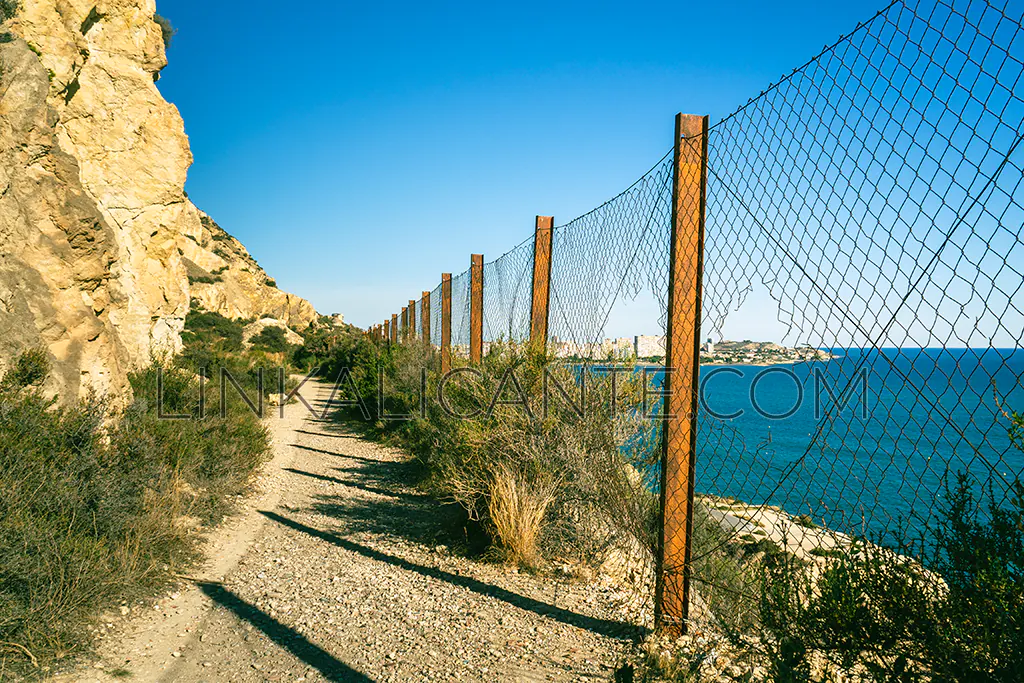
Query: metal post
[387, 330]
[682, 367]
[412, 320]
[476, 308]
[542, 237]
[446, 323]
[405, 323]
[394, 328]
[425, 315]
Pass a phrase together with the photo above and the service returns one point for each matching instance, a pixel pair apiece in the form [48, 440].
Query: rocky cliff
[223, 277]
[100, 249]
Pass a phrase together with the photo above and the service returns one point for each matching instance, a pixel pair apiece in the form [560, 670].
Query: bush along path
[343, 571]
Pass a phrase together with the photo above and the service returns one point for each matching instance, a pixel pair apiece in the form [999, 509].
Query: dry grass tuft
[517, 509]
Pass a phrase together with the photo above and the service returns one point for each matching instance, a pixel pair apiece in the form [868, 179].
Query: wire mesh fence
[876, 195]
[460, 314]
[867, 213]
[610, 256]
[507, 292]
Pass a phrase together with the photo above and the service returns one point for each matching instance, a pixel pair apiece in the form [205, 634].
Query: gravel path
[341, 573]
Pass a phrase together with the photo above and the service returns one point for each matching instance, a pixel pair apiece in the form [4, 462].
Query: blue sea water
[877, 466]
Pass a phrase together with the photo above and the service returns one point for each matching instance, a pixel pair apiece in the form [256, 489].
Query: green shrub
[9, 8]
[955, 615]
[204, 279]
[212, 331]
[272, 340]
[167, 31]
[96, 511]
[319, 344]
[30, 368]
[214, 343]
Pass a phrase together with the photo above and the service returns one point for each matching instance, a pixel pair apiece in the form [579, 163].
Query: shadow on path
[336, 455]
[605, 627]
[336, 435]
[286, 637]
[352, 484]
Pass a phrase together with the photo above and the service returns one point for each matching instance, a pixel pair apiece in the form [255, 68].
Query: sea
[865, 443]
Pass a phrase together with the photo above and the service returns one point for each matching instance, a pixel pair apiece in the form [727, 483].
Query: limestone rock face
[224, 278]
[57, 250]
[97, 236]
[131, 150]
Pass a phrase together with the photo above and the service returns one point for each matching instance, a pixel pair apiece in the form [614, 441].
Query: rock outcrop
[254, 329]
[224, 278]
[97, 237]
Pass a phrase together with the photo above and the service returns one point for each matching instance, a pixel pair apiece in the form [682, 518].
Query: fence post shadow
[284, 636]
[604, 627]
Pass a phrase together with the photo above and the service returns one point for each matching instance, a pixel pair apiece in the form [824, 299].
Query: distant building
[649, 346]
[709, 347]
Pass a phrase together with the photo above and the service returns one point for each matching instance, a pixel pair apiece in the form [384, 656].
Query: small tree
[167, 30]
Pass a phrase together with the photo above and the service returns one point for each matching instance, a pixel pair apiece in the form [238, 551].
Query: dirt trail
[337, 571]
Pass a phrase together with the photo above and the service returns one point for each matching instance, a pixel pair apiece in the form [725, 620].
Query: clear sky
[360, 149]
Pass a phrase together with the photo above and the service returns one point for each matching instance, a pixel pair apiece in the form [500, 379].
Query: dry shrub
[517, 509]
[551, 487]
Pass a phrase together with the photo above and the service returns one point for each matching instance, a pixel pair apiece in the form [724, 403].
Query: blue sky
[359, 150]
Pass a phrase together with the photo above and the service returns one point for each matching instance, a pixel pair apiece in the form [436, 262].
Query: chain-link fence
[862, 222]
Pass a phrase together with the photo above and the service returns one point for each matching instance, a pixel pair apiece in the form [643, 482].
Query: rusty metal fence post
[543, 233]
[682, 367]
[425, 317]
[394, 328]
[387, 330]
[412, 319]
[476, 308]
[446, 323]
[405, 324]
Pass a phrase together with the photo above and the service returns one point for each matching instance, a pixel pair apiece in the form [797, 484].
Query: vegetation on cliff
[8, 8]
